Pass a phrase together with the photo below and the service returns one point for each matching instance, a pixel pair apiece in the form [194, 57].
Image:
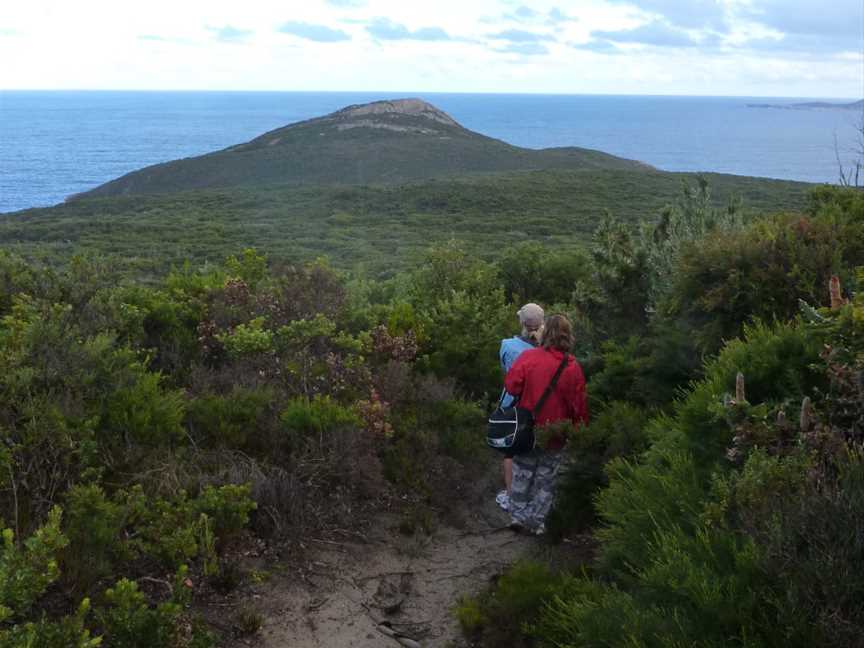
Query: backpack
[511, 429]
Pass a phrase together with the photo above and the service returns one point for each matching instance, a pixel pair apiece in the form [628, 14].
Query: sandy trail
[349, 589]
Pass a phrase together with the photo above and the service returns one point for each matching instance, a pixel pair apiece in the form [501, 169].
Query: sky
[779, 48]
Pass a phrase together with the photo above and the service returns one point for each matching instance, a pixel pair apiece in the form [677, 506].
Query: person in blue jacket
[531, 322]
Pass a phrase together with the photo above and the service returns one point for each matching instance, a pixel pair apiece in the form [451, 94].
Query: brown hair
[558, 333]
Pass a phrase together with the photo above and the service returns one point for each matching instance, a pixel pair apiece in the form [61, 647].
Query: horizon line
[409, 93]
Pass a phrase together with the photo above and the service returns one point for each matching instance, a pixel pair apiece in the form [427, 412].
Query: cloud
[525, 49]
[656, 33]
[317, 33]
[347, 4]
[527, 15]
[521, 36]
[685, 13]
[598, 46]
[804, 26]
[555, 16]
[386, 29]
[229, 34]
[525, 12]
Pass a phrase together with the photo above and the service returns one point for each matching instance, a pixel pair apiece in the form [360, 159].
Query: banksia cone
[740, 397]
[836, 293]
[805, 414]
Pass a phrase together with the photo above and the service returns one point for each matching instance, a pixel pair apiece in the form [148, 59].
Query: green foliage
[144, 413]
[531, 272]
[27, 571]
[247, 339]
[228, 420]
[93, 524]
[181, 529]
[499, 617]
[649, 371]
[69, 632]
[251, 267]
[617, 431]
[310, 421]
[128, 621]
[726, 279]
[228, 506]
[465, 317]
[457, 423]
[617, 297]
[689, 219]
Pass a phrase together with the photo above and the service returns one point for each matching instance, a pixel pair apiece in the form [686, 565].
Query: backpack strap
[550, 388]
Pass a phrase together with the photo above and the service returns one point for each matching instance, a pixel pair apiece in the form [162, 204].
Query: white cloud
[659, 46]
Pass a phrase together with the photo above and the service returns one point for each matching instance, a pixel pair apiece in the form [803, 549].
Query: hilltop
[380, 142]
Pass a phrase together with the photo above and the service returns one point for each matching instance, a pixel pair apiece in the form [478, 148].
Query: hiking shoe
[540, 530]
[503, 500]
[516, 525]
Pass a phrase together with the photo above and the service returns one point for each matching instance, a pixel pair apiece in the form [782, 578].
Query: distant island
[380, 142]
[811, 105]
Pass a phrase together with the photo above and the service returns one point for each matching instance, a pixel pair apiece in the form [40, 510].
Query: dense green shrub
[68, 632]
[314, 423]
[617, 431]
[457, 423]
[500, 617]
[27, 570]
[93, 524]
[143, 413]
[232, 420]
[726, 279]
[129, 621]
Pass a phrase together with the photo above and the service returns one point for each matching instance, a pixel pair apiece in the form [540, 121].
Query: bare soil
[374, 586]
[378, 587]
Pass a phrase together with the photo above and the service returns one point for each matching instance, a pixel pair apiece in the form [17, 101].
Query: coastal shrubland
[729, 507]
[154, 425]
[374, 230]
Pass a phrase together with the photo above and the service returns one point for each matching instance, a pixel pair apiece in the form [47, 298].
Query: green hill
[384, 141]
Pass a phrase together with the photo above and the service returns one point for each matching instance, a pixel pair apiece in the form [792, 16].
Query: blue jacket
[511, 348]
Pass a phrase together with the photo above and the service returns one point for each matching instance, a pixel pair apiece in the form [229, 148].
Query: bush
[229, 421]
[93, 525]
[501, 616]
[26, 571]
[617, 431]
[144, 413]
[68, 632]
[312, 424]
[726, 280]
[458, 424]
[128, 621]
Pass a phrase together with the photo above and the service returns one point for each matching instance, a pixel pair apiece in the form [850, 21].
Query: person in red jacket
[534, 473]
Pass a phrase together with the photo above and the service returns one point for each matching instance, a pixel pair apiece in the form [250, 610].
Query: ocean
[57, 143]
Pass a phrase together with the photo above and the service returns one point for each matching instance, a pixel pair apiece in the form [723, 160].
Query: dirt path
[409, 585]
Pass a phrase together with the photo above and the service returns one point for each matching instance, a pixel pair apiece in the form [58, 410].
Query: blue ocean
[57, 143]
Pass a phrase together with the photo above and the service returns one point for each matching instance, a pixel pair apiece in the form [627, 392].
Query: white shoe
[503, 500]
[540, 530]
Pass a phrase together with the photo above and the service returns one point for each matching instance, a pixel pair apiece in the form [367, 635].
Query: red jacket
[532, 373]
